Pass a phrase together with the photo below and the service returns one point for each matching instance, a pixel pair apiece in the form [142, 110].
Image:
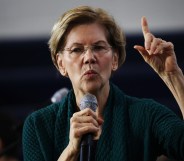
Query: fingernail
[100, 121]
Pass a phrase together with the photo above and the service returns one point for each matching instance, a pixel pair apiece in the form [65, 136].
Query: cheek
[106, 65]
[108, 62]
[73, 69]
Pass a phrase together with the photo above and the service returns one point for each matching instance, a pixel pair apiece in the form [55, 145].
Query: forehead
[86, 34]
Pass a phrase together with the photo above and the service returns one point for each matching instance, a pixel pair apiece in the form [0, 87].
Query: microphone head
[58, 95]
[88, 101]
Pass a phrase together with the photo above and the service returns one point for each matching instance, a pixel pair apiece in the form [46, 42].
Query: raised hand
[158, 53]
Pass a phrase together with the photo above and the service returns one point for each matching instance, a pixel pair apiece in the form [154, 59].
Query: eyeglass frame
[85, 48]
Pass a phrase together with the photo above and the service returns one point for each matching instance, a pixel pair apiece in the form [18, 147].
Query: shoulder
[140, 106]
[46, 113]
[42, 117]
[146, 104]
[131, 101]
[148, 112]
[135, 102]
[47, 117]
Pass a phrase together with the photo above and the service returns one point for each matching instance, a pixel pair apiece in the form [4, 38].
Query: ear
[61, 66]
[115, 61]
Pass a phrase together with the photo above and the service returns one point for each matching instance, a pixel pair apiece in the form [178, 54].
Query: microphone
[59, 94]
[87, 151]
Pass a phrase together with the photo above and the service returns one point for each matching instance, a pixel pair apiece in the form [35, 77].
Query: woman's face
[89, 71]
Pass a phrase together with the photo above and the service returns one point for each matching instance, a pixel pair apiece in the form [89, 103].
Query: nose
[89, 57]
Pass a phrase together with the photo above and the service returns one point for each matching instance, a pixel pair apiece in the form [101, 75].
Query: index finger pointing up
[145, 28]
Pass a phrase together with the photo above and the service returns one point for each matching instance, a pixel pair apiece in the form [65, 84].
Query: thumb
[142, 51]
[100, 121]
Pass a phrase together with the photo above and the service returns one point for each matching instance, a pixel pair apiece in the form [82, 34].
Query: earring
[65, 73]
[114, 68]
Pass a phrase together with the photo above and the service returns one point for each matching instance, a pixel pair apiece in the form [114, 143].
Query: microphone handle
[87, 149]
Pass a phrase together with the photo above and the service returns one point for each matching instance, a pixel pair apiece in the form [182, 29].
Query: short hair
[86, 15]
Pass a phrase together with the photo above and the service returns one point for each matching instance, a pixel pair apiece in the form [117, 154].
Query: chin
[92, 87]
[91, 90]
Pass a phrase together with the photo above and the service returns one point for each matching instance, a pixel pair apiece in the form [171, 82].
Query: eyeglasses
[95, 49]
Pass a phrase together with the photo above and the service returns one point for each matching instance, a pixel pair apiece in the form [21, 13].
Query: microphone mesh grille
[88, 101]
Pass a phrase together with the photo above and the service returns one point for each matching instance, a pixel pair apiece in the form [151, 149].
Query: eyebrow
[101, 41]
[97, 42]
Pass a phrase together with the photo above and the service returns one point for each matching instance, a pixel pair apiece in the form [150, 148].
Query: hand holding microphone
[84, 125]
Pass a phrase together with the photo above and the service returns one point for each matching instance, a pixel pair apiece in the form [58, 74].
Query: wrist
[69, 154]
[72, 150]
[174, 74]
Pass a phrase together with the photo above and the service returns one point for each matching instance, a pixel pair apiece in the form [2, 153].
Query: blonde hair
[86, 15]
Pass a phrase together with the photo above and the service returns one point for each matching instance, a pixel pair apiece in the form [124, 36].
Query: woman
[87, 46]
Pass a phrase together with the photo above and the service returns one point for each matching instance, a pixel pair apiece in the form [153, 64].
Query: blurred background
[28, 79]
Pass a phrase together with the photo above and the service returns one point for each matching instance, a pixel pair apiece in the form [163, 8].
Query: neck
[102, 99]
[101, 95]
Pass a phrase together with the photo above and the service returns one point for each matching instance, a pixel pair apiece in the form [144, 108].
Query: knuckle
[149, 35]
[88, 110]
[74, 125]
[171, 44]
[76, 133]
[90, 118]
[71, 119]
[74, 115]
[87, 129]
[159, 40]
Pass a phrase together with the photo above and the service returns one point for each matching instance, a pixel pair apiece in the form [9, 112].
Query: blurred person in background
[10, 139]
